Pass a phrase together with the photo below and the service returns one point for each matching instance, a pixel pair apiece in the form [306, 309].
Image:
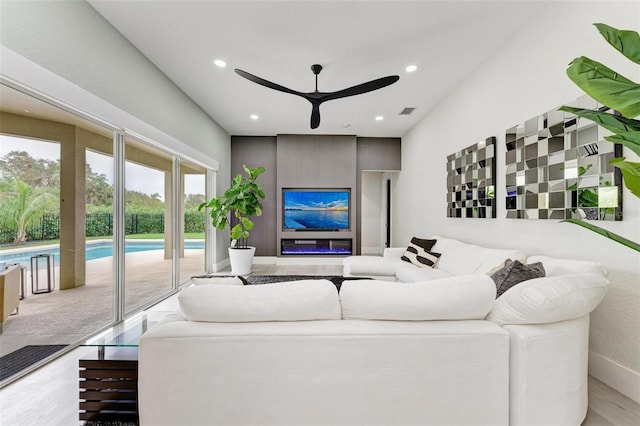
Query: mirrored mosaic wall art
[557, 167]
[471, 177]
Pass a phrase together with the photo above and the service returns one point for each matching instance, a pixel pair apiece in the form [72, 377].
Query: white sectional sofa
[440, 351]
[457, 258]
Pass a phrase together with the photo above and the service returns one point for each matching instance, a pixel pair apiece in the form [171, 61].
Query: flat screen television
[315, 209]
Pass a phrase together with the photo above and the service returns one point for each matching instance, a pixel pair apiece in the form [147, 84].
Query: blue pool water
[93, 251]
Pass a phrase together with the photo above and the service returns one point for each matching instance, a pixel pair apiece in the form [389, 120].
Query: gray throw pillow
[515, 272]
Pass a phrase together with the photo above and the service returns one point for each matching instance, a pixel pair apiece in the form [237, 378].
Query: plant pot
[241, 260]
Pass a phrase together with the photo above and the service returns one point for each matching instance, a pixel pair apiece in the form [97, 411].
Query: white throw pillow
[286, 301]
[555, 266]
[455, 298]
[549, 299]
[217, 280]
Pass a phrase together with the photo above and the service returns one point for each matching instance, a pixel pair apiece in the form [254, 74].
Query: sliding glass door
[148, 224]
[101, 223]
[56, 192]
[192, 229]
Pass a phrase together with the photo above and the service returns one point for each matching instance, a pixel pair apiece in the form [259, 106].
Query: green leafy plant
[242, 201]
[23, 205]
[619, 94]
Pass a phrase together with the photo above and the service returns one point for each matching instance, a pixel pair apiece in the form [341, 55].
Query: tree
[193, 201]
[138, 200]
[23, 205]
[39, 172]
[98, 191]
[35, 172]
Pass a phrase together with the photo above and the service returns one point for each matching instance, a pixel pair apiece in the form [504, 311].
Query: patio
[66, 316]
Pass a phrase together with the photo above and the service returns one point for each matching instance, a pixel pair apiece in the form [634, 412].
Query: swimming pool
[93, 250]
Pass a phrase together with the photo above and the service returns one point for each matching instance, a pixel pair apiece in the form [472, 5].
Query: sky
[138, 178]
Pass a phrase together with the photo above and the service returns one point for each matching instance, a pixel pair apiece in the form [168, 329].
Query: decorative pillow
[286, 301]
[497, 268]
[549, 299]
[426, 244]
[418, 253]
[455, 298]
[207, 279]
[515, 272]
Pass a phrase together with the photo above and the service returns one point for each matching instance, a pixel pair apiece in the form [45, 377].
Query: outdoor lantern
[42, 273]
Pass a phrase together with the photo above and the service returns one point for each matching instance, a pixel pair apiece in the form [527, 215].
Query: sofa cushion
[556, 266]
[410, 274]
[232, 280]
[287, 301]
[420, 257]
[549, 299]
[454, 298]
[370, 266]
[461, 258]
[514, 272]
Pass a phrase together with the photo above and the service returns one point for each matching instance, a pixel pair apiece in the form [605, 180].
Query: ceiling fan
[316, 97]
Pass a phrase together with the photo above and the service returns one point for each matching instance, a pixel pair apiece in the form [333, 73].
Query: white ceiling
[355, 41]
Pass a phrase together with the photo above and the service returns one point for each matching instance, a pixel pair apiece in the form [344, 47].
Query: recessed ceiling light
[220, 63]
[411, 68]
[379, 118]
[254, 116]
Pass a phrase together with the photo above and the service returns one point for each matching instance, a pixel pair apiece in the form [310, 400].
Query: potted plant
[241, 201]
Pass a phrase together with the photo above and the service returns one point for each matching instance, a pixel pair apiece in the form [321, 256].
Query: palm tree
[23, 205]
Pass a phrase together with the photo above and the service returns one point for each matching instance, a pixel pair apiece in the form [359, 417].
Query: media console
[316, 246]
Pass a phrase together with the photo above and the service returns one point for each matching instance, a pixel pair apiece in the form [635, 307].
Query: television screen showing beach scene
[315, 210]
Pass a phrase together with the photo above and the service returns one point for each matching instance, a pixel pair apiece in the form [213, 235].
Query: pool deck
[66, 316]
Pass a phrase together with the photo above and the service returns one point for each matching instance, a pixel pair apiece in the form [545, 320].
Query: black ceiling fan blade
[266, 83]
[315, 114]
[362, 88]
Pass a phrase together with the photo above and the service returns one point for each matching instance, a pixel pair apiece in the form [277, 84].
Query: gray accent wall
[255, 151]
[309, 161]
[306, 161]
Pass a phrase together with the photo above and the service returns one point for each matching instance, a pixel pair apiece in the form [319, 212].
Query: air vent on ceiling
[407, 111]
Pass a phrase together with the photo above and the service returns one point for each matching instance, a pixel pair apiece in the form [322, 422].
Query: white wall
[372, 211]
[71, 40]
[523, 79]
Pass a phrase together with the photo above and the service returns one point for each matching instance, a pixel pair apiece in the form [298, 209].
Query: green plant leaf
[236, 232]
[588, 197]
[247, 224]
[630, 173]
[629, 139]
[615, 123]
[606, 86]
[626, 129]
[624, 41]
[612, 236]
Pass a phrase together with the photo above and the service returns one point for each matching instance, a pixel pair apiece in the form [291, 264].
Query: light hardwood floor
[49, 395]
